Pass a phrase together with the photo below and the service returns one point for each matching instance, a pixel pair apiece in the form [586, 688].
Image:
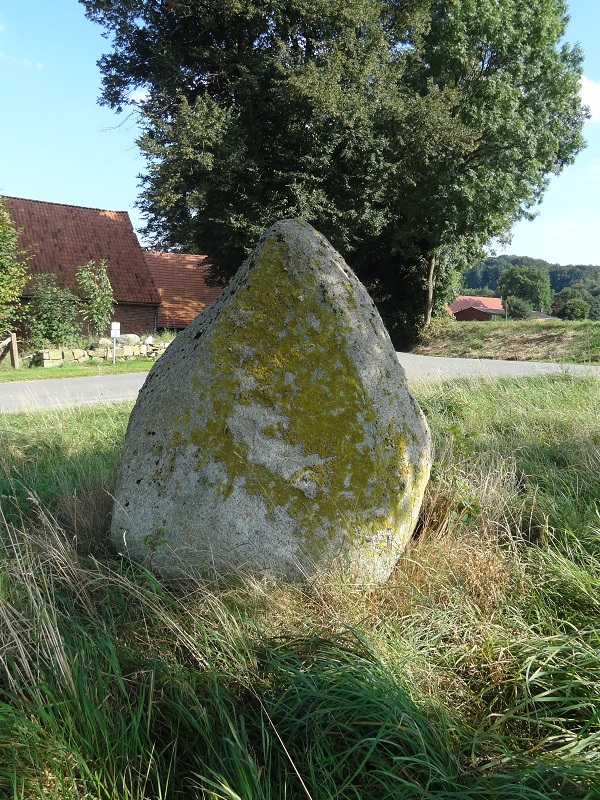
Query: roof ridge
[65, 205]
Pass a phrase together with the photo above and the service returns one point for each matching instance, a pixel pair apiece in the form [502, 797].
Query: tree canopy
[409, 133]
[517, 308]
[573, 280]
[510, 117]
[530, 284]
[576, 308]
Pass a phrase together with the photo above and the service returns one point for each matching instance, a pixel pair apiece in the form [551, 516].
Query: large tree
[531, 284]
[508, 115]
[410, 132]
[256, 112]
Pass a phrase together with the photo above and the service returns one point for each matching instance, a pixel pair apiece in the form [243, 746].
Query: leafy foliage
[595, 309]
[52, 313]
[517, 308]
[576, 308]
[505, 114]
[254, 113]
[97, 295]
[579, 277]
[408, 133]
[531, 284]
[13, 272]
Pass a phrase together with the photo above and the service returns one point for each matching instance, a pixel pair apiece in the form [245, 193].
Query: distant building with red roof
[466, 308]
[151, 290]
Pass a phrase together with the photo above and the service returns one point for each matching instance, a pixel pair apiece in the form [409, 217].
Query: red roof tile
[61, 237]
[465, 301]
[180, 279]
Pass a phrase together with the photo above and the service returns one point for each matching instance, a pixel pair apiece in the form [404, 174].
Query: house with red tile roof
[181, 282]
[466, 308]
[59, 238]
[152, 290]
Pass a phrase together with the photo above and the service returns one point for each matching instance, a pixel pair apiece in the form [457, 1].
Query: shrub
[13, 272]
[576, 308]
[97, 295]
[51, 315]
[517, 308]
[595, 309]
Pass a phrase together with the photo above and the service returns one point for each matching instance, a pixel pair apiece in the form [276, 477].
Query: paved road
[417, 367]
[60, 392]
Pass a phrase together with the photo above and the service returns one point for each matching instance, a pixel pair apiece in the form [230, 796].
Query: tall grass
[64, 462]
[473, 673]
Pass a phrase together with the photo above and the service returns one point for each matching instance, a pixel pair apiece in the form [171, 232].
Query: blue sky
[57, 144]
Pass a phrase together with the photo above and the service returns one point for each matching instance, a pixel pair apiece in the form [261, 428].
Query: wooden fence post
[14, 353]
[10, 346]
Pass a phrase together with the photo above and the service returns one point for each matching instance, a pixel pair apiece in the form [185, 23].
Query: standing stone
[276, 434]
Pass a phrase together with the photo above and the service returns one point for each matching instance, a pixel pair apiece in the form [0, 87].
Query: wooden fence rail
[10, 346]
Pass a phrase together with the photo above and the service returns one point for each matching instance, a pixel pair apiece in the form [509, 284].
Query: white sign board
[115, 329]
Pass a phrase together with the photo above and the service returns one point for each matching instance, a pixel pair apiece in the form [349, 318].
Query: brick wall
[135, 318]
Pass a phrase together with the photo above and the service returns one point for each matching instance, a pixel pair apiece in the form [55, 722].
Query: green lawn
[74, 370]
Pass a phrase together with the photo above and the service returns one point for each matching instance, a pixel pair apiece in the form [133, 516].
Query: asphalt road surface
[61, 392]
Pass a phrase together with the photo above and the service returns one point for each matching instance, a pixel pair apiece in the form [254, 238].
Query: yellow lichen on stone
[325, 417]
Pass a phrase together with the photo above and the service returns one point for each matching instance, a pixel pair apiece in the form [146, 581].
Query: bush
[97, 295]
[576, 308]
[595, 310]
[516, 308]
[51, 315]
[13, 272]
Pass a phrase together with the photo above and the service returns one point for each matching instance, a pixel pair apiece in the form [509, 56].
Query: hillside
[485, 275]
[528, 340]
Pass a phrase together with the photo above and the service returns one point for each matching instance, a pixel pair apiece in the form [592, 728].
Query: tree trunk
[430, 287]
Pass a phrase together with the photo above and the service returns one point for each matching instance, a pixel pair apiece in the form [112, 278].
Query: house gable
[59, 238]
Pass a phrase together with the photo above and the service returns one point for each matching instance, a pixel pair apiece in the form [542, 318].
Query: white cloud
[21, 62]
[590, 96]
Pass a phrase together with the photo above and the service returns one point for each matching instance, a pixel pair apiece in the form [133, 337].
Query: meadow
[518, 340]
[472, 674]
